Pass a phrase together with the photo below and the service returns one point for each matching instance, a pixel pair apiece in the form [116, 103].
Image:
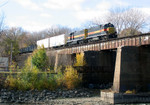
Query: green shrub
[13, 67]
[33, 77]
[23, 81]
[40, 59]
[59, 79]
[11, 82]
[71, 78]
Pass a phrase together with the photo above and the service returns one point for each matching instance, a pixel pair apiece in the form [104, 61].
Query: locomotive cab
[71, 39]
[71, 36]
[110, 30]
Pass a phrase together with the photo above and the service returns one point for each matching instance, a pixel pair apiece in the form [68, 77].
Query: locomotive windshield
[108, 25]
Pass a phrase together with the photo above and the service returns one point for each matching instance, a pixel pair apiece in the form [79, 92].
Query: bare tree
[131, 19]
[27, 38]
[2, 3]
[88, 24]
[94, 22]
[53, 31]
[130, 31]
[13, 33]
[31, 38]
[57, 30]
[10, 42]
[1, 33]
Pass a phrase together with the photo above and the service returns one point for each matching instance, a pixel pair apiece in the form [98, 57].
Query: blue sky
[36, 15]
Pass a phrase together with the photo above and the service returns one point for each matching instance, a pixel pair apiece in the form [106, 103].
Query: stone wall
[22, 58]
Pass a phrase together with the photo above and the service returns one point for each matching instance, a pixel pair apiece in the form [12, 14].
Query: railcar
[52, 42]
[28, 49]
[57, 41]
[43, 42]
[101, 32]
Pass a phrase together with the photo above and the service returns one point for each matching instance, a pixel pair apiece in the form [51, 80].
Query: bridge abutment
[132, 69]
[62, 60]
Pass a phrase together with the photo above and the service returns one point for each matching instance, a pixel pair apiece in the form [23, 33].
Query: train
[97, 33]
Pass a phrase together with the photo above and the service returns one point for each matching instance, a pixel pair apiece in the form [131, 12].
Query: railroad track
[102, 41]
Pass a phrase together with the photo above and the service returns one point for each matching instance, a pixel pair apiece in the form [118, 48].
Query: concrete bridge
[123, 61]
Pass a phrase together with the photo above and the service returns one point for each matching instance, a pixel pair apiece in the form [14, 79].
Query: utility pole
[11, 53]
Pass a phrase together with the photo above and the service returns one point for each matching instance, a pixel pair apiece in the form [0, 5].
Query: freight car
[100, 32]
[53, 42]
[28, 49]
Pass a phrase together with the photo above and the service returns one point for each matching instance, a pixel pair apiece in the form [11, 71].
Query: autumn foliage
[80, 60]
[32, 76]
[71, 78]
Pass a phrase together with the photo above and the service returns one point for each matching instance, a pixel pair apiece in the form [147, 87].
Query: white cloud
[90, 14]
[28, 4]
[104, 5]
[145, 10]
[35, 26]
[31, 26]
[63, 4]
[46, 15]
[98, 11]
[120, 3]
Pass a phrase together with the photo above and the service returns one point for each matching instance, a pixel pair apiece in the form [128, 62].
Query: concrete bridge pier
[145, 67]
[132, 69]
[99, 67]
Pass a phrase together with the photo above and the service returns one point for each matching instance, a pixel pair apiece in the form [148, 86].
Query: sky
[37, 15]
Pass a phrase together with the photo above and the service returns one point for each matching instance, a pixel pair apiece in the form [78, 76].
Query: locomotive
[100, 32]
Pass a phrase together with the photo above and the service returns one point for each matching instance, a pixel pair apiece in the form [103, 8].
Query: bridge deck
[136, 40]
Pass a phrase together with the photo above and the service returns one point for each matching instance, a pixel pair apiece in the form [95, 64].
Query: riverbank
[78, 101]
[67, 101]
[70, 97]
